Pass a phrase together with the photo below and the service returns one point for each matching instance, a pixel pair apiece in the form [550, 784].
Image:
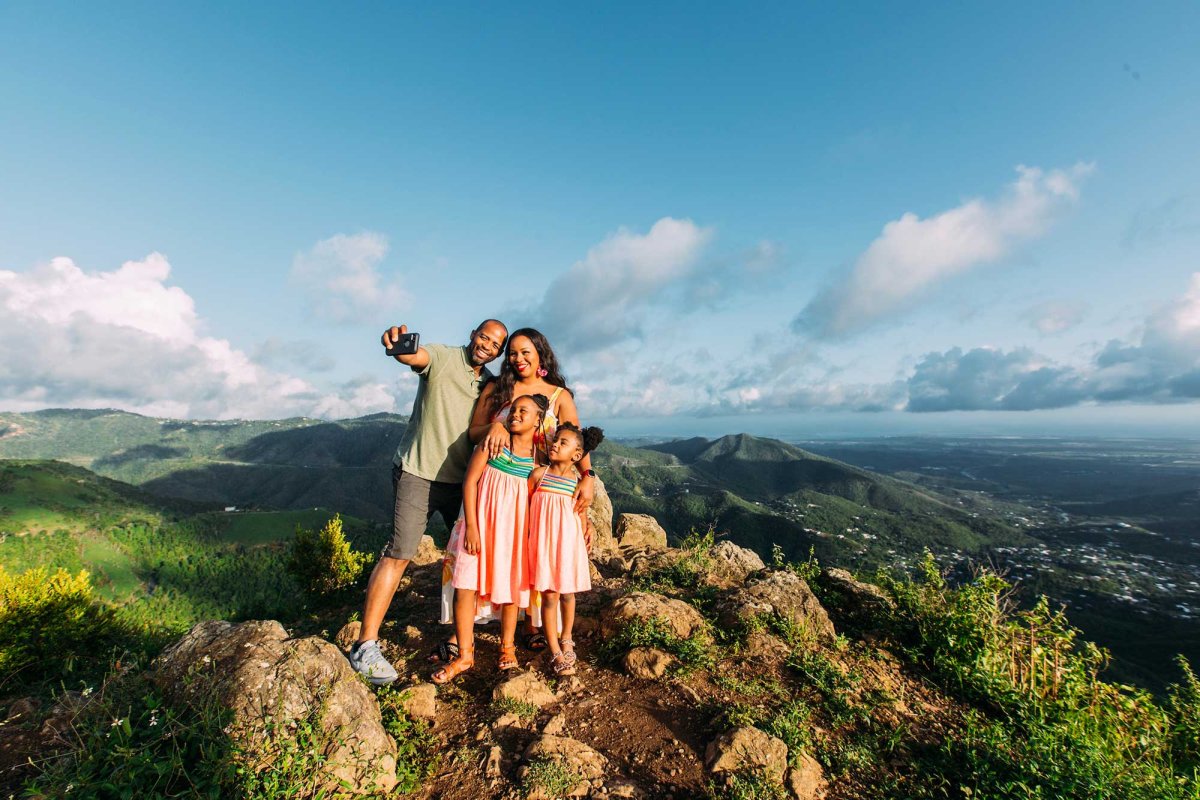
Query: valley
[1111, 529]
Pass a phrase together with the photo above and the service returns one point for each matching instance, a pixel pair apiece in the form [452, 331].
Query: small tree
[323, 561]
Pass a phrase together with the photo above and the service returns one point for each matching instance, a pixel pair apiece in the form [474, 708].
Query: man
[428, 468]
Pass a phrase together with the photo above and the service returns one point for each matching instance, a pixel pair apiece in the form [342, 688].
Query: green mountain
[760, 492]
[765, 492]
[274, 464]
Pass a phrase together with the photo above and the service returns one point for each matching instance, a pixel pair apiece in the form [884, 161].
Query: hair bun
[592, 437]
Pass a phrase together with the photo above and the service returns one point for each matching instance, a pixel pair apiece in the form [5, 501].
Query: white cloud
[342, 279]
[1163, 367]
[126, 339]
[1054, 317]
[590, 305]
[913, 254]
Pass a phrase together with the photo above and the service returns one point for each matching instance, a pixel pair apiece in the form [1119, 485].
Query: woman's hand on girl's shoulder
[495, 440]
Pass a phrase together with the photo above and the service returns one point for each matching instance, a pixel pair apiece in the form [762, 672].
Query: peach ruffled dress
[499, 571]
[558, 560]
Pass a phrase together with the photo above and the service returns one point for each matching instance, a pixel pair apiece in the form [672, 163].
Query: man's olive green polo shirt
[435, 445]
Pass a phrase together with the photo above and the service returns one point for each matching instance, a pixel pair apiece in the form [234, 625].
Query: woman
[529, 368]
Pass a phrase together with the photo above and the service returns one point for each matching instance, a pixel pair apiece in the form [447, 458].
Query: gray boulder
[270, 682]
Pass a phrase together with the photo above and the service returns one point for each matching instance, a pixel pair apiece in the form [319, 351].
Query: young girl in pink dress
[489, 540]
[559, 539]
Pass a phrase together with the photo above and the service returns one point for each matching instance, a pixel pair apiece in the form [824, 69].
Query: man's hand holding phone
[397, 341]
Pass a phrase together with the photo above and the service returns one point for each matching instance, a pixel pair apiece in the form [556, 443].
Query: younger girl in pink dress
[489, 538]
[559, 539]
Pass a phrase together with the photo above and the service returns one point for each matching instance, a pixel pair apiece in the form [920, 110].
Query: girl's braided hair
[589, 438]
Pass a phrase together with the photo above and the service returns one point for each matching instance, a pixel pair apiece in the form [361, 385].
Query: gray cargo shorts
[415, 501]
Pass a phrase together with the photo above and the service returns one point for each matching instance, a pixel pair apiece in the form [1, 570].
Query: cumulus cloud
[126, 339]
[1162, 366]
[1159, 365]
[987, 379]
[342, 279]
[607, 297]
[911, 255]
[589, 306]
[1054, 317]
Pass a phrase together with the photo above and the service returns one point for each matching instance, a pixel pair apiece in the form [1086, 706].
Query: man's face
[486, 343]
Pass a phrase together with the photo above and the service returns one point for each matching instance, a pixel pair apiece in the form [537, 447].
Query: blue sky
[768, 218]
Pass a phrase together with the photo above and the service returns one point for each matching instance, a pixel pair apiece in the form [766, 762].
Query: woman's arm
[475, 468]
[493, 434]
[586, 488]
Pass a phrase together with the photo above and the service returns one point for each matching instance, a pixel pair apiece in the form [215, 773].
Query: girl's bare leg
[568, 618]
[508, 623]
[464, 619]
[550, 620]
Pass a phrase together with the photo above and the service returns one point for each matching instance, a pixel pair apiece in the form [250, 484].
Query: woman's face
[523, 417]
[523, 357]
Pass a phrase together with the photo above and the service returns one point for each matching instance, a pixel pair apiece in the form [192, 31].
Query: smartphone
[406, 345]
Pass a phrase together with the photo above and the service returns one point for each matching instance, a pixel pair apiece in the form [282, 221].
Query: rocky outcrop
[420, 701]
[747, 750]
[647, 662]
[525, 688]
[779, 592]
[682, 620]
[600, 514]
[269, 682]
[733, 564]
[863, 606]
[806, 780]
[640, 530]
[427, 552]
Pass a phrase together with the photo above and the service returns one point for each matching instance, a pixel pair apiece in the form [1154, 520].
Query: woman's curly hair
[503, 393]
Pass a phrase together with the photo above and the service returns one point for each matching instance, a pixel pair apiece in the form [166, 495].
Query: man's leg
[381, 589]
[410, 513]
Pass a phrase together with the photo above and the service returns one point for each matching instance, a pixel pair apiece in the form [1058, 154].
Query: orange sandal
[508, 657]
[457, 667]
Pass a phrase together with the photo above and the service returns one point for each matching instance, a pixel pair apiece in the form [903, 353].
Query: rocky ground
[703, 673]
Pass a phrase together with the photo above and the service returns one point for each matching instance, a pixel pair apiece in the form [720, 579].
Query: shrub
[49, 623]
[1183, 705]
[1052, 727]
[323, 561]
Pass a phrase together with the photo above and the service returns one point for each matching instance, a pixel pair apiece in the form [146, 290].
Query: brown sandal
[508, 657]
[457, 667]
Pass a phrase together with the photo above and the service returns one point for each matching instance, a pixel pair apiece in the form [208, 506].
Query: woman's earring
[542, 372]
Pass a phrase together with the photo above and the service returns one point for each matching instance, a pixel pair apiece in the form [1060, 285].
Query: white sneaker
[368, 661]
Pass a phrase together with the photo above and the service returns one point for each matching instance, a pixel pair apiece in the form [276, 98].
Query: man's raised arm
[417, 360]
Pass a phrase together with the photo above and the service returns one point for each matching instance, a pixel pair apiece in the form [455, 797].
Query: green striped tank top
[512, 464]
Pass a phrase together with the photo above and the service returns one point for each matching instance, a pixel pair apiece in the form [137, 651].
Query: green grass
[111, 568]
[551, 776]
[694, 652]
[518, 708]
[260, 527]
